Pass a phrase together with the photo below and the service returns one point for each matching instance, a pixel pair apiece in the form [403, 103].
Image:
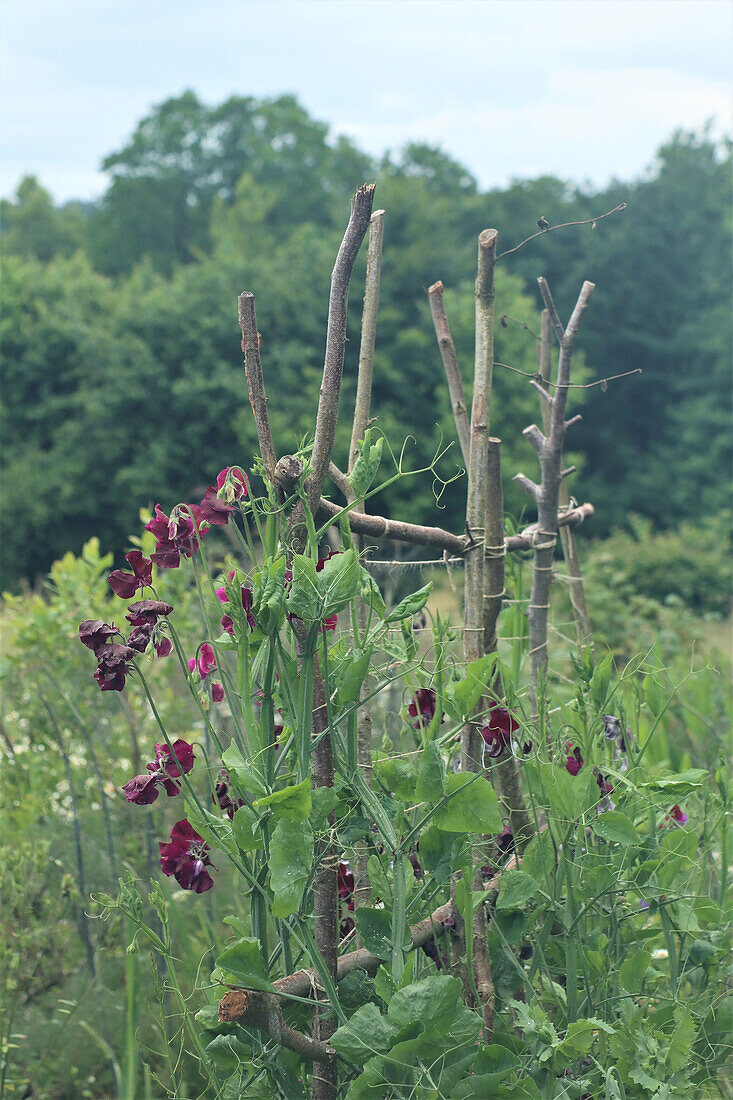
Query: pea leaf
[244, 829]
[353, 677]
[367, 464]
[291, 855]
[241, 964]
[246, 775]
[367, 1033]
[375, 929]
[472, 806]
[632, 970]
[338, 582]
[616, 827]
[430, 774]
[515, 890]
[411, 605]
[462, 697]
[305, 594]
[291, 803]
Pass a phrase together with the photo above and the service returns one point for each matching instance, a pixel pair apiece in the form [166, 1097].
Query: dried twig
[336, 340]
[565, 225]
[256, 383]
[452, 370]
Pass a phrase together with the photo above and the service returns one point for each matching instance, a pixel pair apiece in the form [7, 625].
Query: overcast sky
[583, 89]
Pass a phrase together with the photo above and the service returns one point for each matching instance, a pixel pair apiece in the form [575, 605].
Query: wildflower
[228, 624]
[422, 707]
[95, 633]
[147, 612]
[574, 760]
[143, 789]
[186, 857]
[331, 623]
[247, 605]
[222, 797]
[163, 646]
[505, 839]
[176, 536]
[676, 816]
[140, 636]
[498, 733]
[113, 666]
[213, 510]
[346, 894]
[232, 484]
[206, 661]
[217, 691]
[125, 585]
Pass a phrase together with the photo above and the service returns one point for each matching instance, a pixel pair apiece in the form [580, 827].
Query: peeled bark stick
[569, 546]
[507, 773]
[333, 366]
[452, 370]
[458, 545]
[547, 498]
[362, 888]
[256, 383]
[477, 490]
[362, 406]
[251, 1008]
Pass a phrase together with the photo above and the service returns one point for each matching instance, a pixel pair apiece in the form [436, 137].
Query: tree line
[120, 350]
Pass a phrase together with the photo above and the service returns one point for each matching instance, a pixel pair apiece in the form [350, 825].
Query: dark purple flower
[95, 633]
[163, 646]
[412, 855]
[676, 816]
[222, 797]
[331, 623]
[322, 561]
[147, 612]
[346, 884]
[213, 510]
[247, 605]
[217, 691]
[498, 732]
[126, 585]
[228, 624]
[176, 535]
[186, 857]
[140, 637]
[233, 481]
[505, 839]
[167, 766]
[574, 760]
[423, 704]
[438, 957]
[113, 666]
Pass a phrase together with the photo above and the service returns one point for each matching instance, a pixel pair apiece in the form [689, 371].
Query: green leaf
[245, 774]
[680, 1045]
[632, 970]
[472, 806]
[437, 850]
[323, 801]
[367, 464]
[411, 605]
[434, 997]
[375, 929]
[245, 829]
[228, 1053]
[430, 774]
[305, 594]
[290, 804]
[579, 1037]
[353, 677]
[338, 582]
[291, 856]
[366, 1033]
[600, 681]
[370, 593]
[269, 596]
[463, 696]
[708, 910]
[616, 827]
[515, 890]
[216, 831]
[242, 964]
[396, 775]
[569, 795]
[676, 786]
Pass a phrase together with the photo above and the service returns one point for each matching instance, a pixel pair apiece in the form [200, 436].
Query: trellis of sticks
[482, 547]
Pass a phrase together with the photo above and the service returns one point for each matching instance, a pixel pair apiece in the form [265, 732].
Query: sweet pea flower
[222, 797]
[676, 816]
[95, 633]
[206, 661]
[125, 585]
[574, 760]
[497, 733]
[214, 510]
[422, 707]
[228, 624]
[143, 789]
[176, 536]
[217, 691]
[114, 666]
[186, 857]
[232, 484]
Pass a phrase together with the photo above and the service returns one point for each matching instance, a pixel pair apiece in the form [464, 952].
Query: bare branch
[336, 340]
[452, 370]
[565, 225]
[341, 481]
[252, 1008]
[529, 486]
[573, 421]
[368, 335]
[256, 382]
[534, 436]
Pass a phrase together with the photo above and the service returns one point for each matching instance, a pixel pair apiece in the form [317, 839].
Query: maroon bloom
[167, 766]
[113, 666]
[346, 896]
[217, 691]
[186, 857]
[676, 816]
[206, 661]
[505, 839]
[574, 760]
[331, 623]
[147, 612]
[234, 482]
[498, 732]
[163, 646]
[213, 510]
[222, 797]
[95, 633]
[228, 624]
[125, 585]
[423, 704]
[176, 536]
[140, 636]
[247, 605]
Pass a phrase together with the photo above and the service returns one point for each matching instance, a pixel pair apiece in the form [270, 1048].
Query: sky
[582, 89]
